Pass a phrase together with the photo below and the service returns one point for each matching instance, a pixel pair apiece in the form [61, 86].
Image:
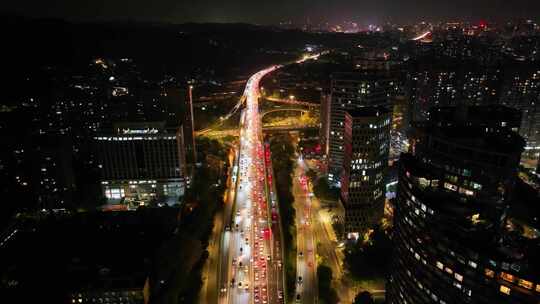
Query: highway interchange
[249, 268]
[249, 262]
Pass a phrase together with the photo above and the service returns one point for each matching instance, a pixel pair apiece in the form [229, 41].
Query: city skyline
[161, 163]
[299, 12]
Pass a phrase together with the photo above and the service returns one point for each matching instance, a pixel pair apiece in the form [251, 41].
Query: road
[320, 227]
[208, 292]
[247, 271]
[278, 281]
[293, 102]
[306, 264]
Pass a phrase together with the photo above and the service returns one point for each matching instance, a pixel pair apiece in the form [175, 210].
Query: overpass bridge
[266, 129]
[302, 111]
[289, 128]
[292, 101]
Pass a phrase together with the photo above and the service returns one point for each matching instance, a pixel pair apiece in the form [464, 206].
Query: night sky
[274, 11]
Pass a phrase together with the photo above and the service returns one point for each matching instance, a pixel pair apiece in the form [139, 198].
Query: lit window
[507, 277]
[504, 289]
[450, 271]
[458, 277]
[473, 264]
[526, 284]
[440, 265]
[489, 273]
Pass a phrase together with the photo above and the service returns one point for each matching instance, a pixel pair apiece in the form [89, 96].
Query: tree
[323, 191]
[282, 161]
[364, 297]
[312, 174]
[370, 260]
[326, 293]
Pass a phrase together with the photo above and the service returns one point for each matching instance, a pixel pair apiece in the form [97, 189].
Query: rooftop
[84, 251]
[361, 75]
[498, 115]
[478, 138]
[368, 111]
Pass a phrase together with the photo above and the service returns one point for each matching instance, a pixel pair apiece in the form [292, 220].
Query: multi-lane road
[306, 264]
[248, 269]
[249, 263]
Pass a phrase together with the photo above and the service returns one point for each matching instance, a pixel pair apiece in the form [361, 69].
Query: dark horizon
[268, 13]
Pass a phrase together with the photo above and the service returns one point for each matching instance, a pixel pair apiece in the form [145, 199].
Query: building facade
[448, 85]
[351, 91]
[324, 132]
[452, 243]
[189, 128]
[523, 93]
[367, 142]
[142, 162]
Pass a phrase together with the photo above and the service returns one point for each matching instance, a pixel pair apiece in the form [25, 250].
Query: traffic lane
[277, 227]
[244, 188]
[237, 238]
[224, 268]
[305, 264]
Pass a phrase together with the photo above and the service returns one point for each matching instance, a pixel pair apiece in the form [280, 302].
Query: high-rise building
[523, 93]
[450, 85]
[189, 129]
[324, 132]
[452, 241]
[142, 162]
[490, 116]
[351, 91]
[366, 141]
[53, 174]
